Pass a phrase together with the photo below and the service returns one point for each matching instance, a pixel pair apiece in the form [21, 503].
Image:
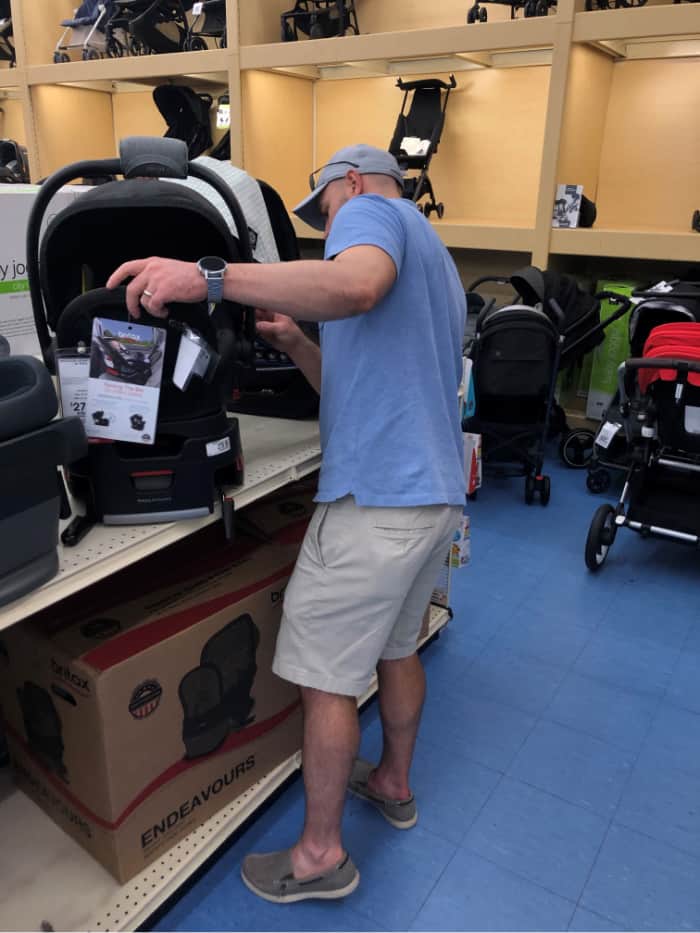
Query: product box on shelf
[610, 353]
[133, 722]
[16, 319]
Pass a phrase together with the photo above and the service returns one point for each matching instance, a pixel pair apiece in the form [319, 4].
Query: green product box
[613, 351]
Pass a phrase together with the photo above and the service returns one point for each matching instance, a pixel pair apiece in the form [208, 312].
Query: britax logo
[152, 834]
[77, 681]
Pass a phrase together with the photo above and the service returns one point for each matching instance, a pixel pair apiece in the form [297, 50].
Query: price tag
[73, 370]
[223, 117]
[607, 433]
[197, 9]
[222, 446]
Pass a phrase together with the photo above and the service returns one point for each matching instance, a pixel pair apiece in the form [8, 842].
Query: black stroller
[196, 450]
[209, 21]
[14, 165]
[417, 136]
[151, 26]
[7, 45]
[187, 114]
[661, 392]
[87, 30]
[478, 13]
[611, 452]
[552, 326]
[319, 19]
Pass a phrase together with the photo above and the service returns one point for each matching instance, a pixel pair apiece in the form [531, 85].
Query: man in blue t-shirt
[391, 310]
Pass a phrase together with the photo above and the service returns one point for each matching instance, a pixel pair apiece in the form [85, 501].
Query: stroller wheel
[60, 57]
[287, 32]
[90, 55]
[576, 449]
[545, 488]
[483, 14]
[598, 480]
[440, 210]
[542, 7]
[316, 31]
[530, 484]
[114, 49]
[601, 535]
[472, 15]
[196, 44]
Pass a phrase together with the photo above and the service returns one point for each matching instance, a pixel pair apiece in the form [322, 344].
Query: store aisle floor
[558, 767]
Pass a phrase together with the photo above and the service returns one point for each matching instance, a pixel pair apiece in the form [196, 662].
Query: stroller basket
[417, 136]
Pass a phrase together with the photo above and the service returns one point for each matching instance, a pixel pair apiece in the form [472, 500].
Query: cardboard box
[16, 318]
[473, 465]
[461, 550]
[609, 354]
[131, 724]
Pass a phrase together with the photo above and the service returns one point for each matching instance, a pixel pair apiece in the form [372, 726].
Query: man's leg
[331, 741]
[401, 696]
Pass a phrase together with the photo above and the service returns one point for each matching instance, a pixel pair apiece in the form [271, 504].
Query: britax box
[132, 723]
[16, 319]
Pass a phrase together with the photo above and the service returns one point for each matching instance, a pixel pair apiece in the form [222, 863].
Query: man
[391, 311]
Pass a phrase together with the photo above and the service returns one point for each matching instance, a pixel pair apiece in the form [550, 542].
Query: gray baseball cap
[367, 160]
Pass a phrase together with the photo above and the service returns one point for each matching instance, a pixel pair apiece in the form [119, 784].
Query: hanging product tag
[223, 113]
[72, 369]
[126, 370]
[194, 358]
[607, 433]
[197, 9]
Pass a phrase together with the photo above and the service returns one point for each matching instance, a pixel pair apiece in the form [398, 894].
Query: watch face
[212, 264]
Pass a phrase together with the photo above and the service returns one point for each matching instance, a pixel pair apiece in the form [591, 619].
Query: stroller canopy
[187, 116]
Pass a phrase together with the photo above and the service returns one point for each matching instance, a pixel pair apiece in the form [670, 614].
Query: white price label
[607, 433]
[197, 9]
[223, 117]
[73, 374]
[222, 446]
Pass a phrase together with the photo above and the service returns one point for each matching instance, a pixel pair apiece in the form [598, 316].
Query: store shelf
[276, 452]
[9, 77]
[627, 244]
[47, 881]
[537, 32]
[660, 21]
[458, 235]
[131, 68]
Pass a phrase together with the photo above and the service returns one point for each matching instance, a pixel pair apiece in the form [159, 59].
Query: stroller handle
[427, 83]
[140, 156]
[632, 366]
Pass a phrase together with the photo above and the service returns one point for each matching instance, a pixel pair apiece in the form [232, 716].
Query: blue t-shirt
[390, 426]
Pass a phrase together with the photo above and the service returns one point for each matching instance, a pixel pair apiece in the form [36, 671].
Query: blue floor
[558, 766]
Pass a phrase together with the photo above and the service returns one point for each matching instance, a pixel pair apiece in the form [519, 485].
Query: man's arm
[312, 290]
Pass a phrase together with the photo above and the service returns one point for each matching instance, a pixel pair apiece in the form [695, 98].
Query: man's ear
[354, 180]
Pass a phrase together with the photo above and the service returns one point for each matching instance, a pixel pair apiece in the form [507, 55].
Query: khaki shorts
[361, 584]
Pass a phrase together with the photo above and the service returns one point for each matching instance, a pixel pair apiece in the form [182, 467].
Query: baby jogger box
[131, 720]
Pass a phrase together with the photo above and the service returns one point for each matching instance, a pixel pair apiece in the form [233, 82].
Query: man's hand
[279, 330]
[155, 282]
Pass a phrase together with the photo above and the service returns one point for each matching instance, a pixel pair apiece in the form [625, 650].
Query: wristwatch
[213, 269]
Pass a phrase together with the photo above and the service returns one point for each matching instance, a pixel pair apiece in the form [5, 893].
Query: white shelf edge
[108, 549]
[128, 906]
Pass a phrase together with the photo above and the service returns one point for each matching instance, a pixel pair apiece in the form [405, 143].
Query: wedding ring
[147, 293]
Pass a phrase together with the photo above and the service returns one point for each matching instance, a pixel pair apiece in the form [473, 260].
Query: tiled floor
[558, 767]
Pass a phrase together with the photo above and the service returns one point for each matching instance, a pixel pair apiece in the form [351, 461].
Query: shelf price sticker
[73, 369]
[223, 115]
[197, 9]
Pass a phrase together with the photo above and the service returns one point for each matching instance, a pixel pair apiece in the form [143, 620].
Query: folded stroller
[417, 135]
[478, 13]
[7, 45]
[661, 392]
[187, 116]
[87, 30]
[14, 165]
[211, 22]
[680, 303]
[151, 26]
[196, 450]
[319, 19]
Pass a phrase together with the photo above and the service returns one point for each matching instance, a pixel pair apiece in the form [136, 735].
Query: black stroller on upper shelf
[478, 13]
[87, 31]
[517, 353]
[417, 135]
[208, 20]
[659, 401]
[678, 303]
[617, 4]
[319, 19]
[151, 26]
[7, 45]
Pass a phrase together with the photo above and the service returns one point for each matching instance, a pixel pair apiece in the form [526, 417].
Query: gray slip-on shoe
[271, 877]
[402, 814]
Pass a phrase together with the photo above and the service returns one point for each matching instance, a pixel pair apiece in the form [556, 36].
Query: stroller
[478, 14]
[319, 19]
[14, 166]
[7, 46]
[680, 303]
[187, 116]
[520, 409]
[417, 136]
[210, 21]
[151, 26]
[660, 391]
[196, 450]
[87, 30]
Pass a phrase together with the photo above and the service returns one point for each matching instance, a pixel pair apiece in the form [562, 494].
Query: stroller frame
[478, 13]
[318, 12]
[91, 37]
[416, 188]
[650, 456]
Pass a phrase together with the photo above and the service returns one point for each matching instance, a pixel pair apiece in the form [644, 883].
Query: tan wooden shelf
[667, 20]
[627, 244]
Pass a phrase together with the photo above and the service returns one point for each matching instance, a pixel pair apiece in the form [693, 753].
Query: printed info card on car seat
[126, 370]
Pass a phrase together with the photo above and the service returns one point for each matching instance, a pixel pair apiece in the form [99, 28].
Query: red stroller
[660, 392]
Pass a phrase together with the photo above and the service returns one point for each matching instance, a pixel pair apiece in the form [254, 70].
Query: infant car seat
[14, 167]
[32, 447]
[43, 726]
